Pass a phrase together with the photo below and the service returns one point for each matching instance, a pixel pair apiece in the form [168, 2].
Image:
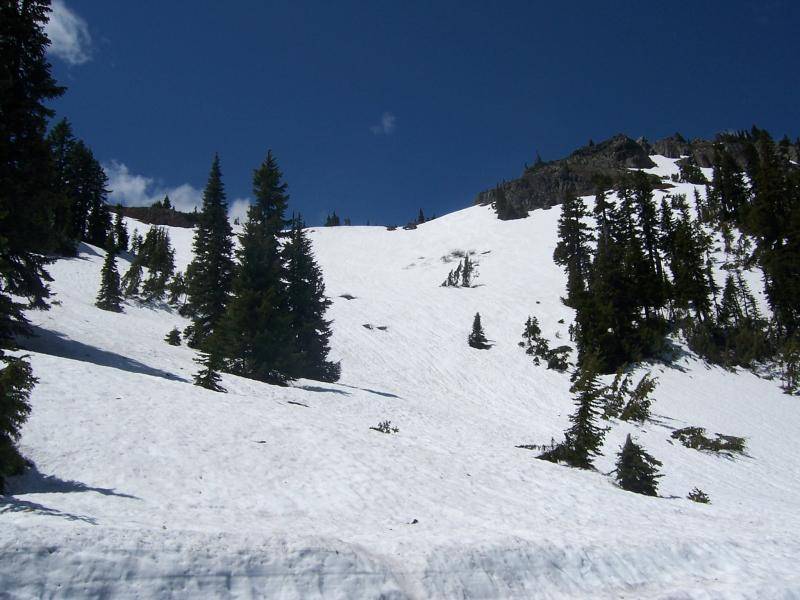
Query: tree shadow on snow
[376, 392]
[55, 344]
[319, 388]
[35, 482]
[9, 504]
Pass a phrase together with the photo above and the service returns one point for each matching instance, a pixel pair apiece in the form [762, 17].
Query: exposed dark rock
[545, 184]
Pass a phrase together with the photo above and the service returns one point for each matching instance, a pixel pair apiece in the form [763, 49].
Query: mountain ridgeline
[545, 183]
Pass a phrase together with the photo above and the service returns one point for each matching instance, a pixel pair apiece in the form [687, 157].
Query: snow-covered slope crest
[147, 486]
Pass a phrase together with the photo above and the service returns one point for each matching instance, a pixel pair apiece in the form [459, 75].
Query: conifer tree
[176, 291]
[477, 338]
[136, 242]
[307, 305]
[255, 331]
[638, 406]
[572, 251]
[132, 279]
[584, 438]
[210, 274]
[208, 376]
[120, 231]
[158, 256]
[28, 203]
[637, 471]
[506, 210]
[16, 383]
[109, 297]
[173, 338]
[68, 202]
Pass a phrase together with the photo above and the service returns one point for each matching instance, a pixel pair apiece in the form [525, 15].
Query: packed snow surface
[147, 486]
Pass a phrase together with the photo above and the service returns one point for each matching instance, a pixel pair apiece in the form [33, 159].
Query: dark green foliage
[690, 172]
[462, 275]
[120, 232]
[176, 291]
[27, 200]
[695, 437]
[132, 279]
[584, 438]
[789, 359]
[110, 295]
[638, 406]
[558, 358]
[616, 394]
[158, 257]
[208, 376]
[307, 306]
[210, 274]
[477, 338]
[537, 347]
[698, 495]
[173, 338]
[255, 333]
[136, 242]
[506, 210]
[385, 427]
[572, 251]
[332, 220]
[16, 383]
[637, 471]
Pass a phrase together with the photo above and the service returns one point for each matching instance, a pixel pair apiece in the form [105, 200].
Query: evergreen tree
[255, 331]
[533, 342]
[136, 242]
[98, 223]
[176, 291]
[477, 338]
[572, 251]
[210, 274]
[132, 279]
[173, 338]
[120, 231]
[505, 209]
[65, 184]
[208, 376]
[158, 256]
[584, 438]
[638, 406]
[637, 471]
[110, 296]
[307, 305]
[16, 383]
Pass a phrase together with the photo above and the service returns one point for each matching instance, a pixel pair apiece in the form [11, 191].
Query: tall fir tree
[110, 296]
[159, 258]
[27, 203]
[572, 250]
[254, 334]
[307, 302]
[210, 274]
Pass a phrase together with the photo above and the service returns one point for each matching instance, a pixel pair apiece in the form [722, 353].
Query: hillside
[147, 486]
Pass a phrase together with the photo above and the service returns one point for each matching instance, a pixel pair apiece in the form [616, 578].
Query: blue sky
[375, 109]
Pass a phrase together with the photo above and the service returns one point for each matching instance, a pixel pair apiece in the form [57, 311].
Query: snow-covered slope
[147, 486]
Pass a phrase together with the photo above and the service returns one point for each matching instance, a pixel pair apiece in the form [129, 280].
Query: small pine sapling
[173, 338]
[637, 471]
[385, 427]
[208, 376]
[477, 338]
[110, 296]
[698, 495]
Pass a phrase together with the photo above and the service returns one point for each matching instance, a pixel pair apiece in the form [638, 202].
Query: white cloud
[386, 126]
[69, 35]
[238, 209]
[137, 190]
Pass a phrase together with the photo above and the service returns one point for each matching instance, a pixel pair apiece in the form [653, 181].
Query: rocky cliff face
[545, 183]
